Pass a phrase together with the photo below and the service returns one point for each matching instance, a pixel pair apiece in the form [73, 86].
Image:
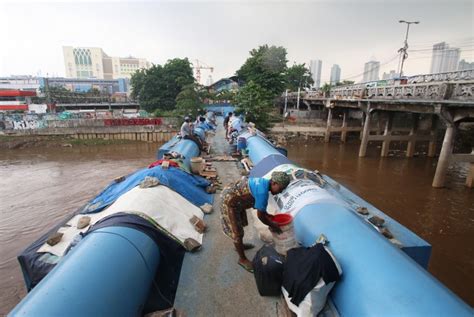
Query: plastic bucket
[287, 239]
[196, 164]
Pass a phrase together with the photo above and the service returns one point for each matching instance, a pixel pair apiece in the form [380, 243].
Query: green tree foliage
[158, 86]
[256, 103]
[60, 94]
[326, 88]
[266, 67]
[345, 82]
[189, 100]
[298, 76]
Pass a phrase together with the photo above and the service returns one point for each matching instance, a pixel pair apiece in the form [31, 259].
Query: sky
[221, 34]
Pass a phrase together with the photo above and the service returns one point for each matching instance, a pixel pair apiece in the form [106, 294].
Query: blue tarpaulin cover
[187, 185]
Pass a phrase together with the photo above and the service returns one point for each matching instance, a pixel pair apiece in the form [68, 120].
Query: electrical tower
[198, 65]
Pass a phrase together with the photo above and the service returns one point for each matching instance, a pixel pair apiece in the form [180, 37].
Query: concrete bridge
[438, 98]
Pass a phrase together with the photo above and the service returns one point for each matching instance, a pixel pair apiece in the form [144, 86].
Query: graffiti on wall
[135, 121]
[28, 124]
[69, 120]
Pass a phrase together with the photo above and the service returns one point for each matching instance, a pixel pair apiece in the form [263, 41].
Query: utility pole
[298, 100]
[286, 102]
[403, 50]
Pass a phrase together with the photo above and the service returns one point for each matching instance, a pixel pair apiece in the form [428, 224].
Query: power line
[371, 69]
[451, 42]
[450, 48]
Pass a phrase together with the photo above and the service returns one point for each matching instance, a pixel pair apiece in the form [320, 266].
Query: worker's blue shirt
[259, 187]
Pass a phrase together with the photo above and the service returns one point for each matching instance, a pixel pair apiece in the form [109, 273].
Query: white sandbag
[168, 208]
[60, 248]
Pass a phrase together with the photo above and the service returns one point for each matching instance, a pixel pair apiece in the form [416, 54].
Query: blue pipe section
[259, 148]
[416, 248]
[109, 273]
[378, 279]
[186, 148]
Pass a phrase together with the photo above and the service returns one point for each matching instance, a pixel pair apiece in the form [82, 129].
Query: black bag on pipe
[268, 271]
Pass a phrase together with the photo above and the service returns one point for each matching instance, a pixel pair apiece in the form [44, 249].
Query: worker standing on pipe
[226, 123]
[241, 195]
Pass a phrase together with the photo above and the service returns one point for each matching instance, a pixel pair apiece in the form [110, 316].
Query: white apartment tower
[335, 74]
[371, 71]
[464, 65]
[444, 58]
[92, 62]
[315, 69]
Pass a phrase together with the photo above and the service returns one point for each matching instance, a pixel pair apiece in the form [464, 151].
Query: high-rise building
[92, 62]
[391, 75]
[335, 74]
[463, 65]
[371, 71]
[315, 69]
[444, 58]
[209, 80]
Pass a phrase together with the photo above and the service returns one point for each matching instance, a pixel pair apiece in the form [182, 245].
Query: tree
[345, 82]
[158, 86]
[266, 67]
[256, 103]
[298, 76]
[189, 101]
[326, 88]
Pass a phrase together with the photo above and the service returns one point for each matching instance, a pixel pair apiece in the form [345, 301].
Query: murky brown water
[40, 186]
[402, 189]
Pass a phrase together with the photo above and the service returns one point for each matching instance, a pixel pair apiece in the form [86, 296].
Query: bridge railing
[461, 75]
[458, 85]
[456, 91]
[461, 90]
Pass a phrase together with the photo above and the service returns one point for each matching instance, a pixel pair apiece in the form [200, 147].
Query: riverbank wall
[137, 129]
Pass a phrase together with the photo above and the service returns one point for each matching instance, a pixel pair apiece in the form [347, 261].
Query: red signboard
[17, 93]
[134, 121]
[13, 107]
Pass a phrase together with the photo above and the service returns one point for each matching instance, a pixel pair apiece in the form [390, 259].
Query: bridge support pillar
[470, 176]
[433, 133]
[387, 132]
[413, 131]
[444, 156]
[327, 135]
[365, 135]
[344, 127]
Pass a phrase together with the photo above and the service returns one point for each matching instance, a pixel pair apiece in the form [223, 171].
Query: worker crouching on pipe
[186, 132]
[241, 195]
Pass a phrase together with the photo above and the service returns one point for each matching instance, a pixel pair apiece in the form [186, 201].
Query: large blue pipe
[109, 273]
[259, 148]
[187, 148]
[379, 279]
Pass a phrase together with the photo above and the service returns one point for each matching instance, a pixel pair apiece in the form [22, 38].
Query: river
[401, 188]
[39, 186]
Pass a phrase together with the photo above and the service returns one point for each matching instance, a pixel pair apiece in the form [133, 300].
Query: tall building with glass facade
[444, 58]
[93, 62]
[371, 71]
[315, 69]
[335, 74]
